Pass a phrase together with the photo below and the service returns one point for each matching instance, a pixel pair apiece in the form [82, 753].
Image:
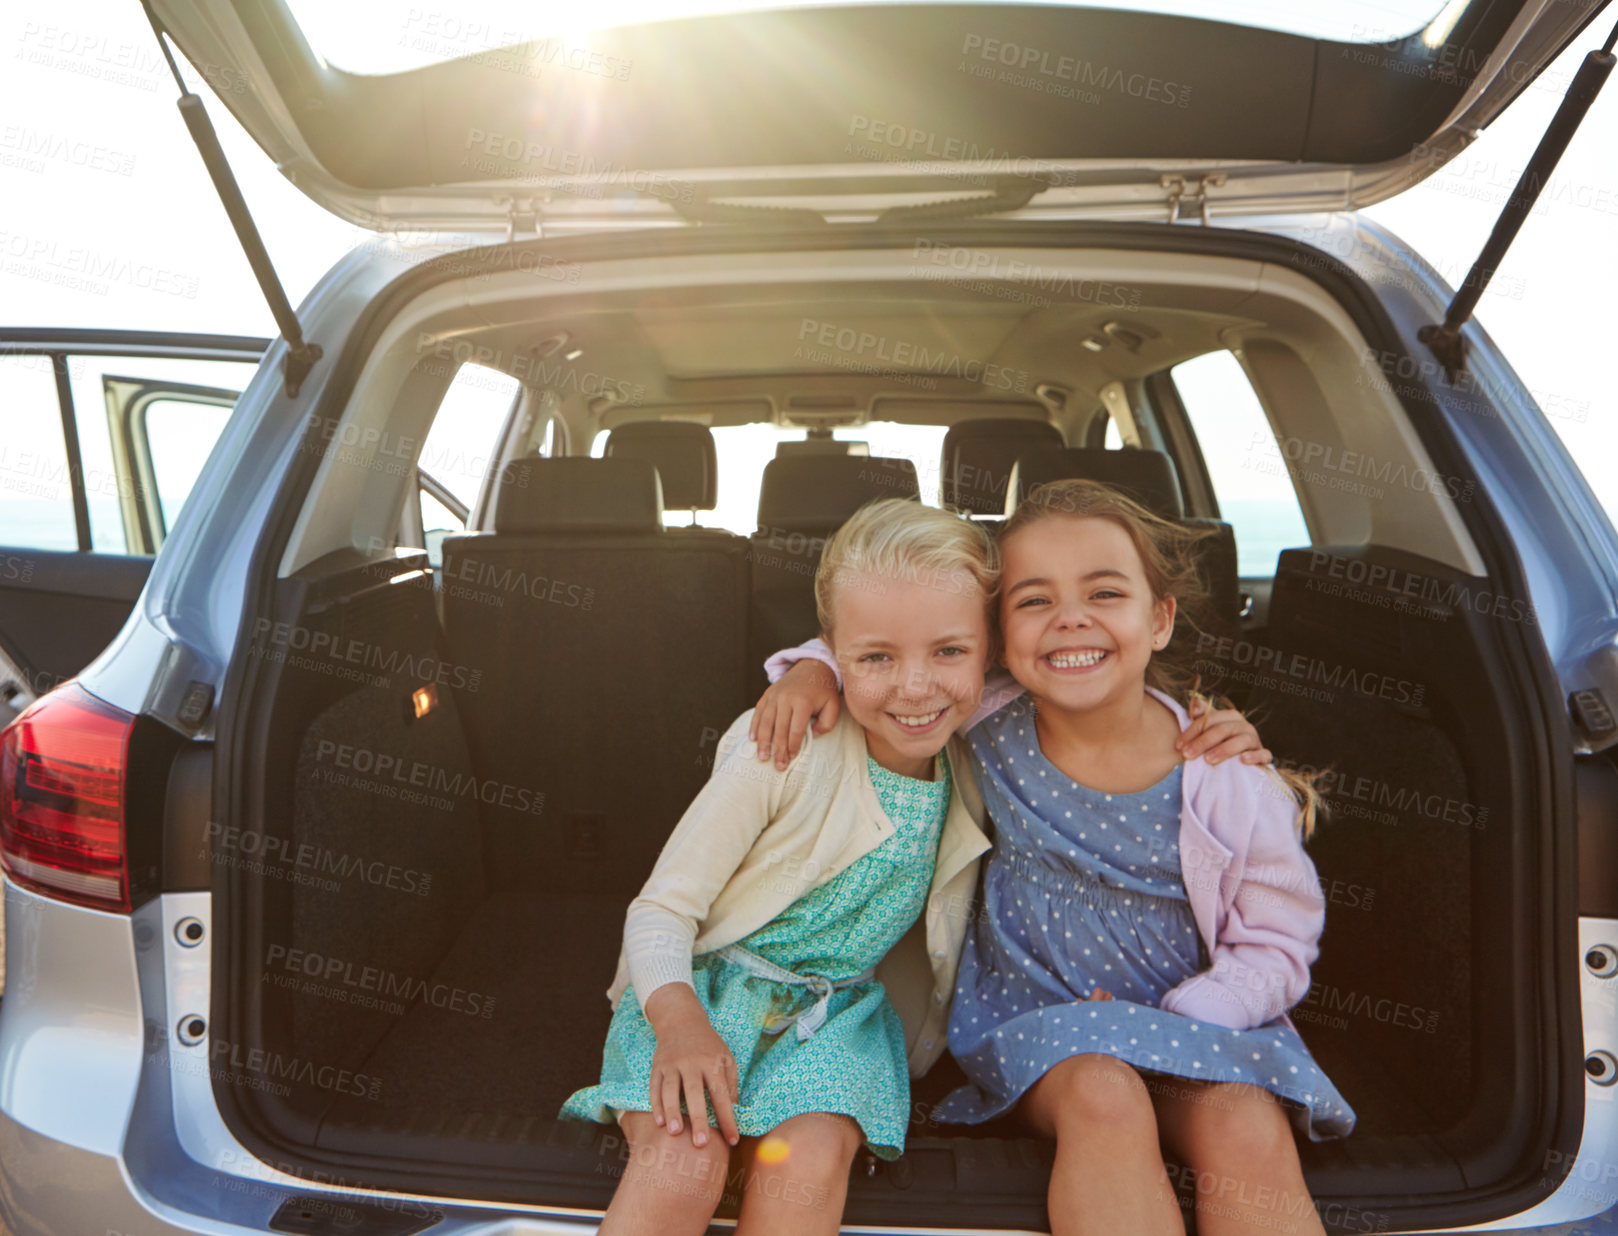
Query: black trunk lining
[505, 958]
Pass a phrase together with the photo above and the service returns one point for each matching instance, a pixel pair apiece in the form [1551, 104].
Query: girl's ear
[1163, 611]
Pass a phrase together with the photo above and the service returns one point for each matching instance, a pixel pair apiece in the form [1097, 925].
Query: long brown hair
[1169, 555]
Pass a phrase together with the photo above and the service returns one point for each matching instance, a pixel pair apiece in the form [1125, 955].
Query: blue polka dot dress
[1084, 890]
[855, 1063]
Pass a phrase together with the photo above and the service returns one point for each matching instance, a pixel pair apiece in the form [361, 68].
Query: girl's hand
[690, 1055]
[1219, 734]
[1098, 994]
[784, 710]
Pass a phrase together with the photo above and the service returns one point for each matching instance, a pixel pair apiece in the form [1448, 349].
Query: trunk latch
[1181, 194]
[1589, 708]
[342, 1215]
[522, 215]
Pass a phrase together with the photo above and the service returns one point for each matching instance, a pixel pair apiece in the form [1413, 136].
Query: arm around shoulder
[810, 650]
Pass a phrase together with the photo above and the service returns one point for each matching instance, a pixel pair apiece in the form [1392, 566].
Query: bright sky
[93, 156]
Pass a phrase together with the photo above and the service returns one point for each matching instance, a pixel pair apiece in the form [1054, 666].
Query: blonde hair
[1168, 554]
[899, 538]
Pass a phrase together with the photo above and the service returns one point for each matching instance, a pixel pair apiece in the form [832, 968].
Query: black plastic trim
[147, 769]
[1598, 838]
[186, 835]
[70, 445]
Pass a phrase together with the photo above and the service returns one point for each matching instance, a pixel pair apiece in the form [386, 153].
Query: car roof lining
[751, 343]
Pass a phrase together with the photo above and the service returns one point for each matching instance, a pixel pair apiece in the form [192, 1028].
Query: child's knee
[814, 1150]
[673, 1162]
[1100, 1090]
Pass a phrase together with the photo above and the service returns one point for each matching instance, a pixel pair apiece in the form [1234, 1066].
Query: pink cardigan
[1254, 893]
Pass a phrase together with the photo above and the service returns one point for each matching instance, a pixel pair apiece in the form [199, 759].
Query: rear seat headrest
[683, 454]
[977, 460]
[1148, 477]
[576, 494]
[815, 493]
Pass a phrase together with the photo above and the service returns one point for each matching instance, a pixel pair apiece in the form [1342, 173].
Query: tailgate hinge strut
[301, 356]
[1445, 340]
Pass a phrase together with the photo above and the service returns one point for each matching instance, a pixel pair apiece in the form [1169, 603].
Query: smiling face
[1077, 616]
[912, 654]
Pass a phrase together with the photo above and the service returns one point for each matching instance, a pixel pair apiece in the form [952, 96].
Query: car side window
[466, 431]
[174, 438]
[459, 450]
[1250, 478]
[36, 492]
[145, 427]
[179, 441]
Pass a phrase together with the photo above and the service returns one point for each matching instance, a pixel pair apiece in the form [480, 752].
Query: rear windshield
[743, 450]
[393, 36]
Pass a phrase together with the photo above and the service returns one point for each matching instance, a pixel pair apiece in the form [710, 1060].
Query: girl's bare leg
[797, 1181]
[1236, 1140]
[669, 1186]
[1108, 1176]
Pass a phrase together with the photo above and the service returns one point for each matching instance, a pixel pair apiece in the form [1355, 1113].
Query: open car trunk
[426, 889]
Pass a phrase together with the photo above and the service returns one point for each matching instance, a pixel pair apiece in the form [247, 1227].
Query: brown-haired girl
[1145, 922]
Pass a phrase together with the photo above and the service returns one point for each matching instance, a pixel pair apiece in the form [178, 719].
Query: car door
[102, 434]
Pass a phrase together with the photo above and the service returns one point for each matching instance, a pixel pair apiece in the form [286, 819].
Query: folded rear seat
[612, 657]
[1151, 479]
[802, 500]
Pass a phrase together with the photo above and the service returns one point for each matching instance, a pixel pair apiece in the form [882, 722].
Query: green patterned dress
[855, 1063]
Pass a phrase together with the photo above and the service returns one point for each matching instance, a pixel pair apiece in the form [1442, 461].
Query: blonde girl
[1146, 921]
[747, 997]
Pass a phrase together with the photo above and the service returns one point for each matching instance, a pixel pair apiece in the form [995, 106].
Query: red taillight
[62, 798]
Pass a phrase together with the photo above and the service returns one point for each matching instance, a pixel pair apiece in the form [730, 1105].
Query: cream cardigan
[756, 839]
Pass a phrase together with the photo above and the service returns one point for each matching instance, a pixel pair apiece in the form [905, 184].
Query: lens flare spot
[773, 1151]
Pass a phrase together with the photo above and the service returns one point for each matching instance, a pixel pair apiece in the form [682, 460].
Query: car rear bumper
[104, 1130]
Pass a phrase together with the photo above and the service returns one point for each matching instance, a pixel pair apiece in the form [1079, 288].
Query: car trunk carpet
[456, 1086]
[533, 1035]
